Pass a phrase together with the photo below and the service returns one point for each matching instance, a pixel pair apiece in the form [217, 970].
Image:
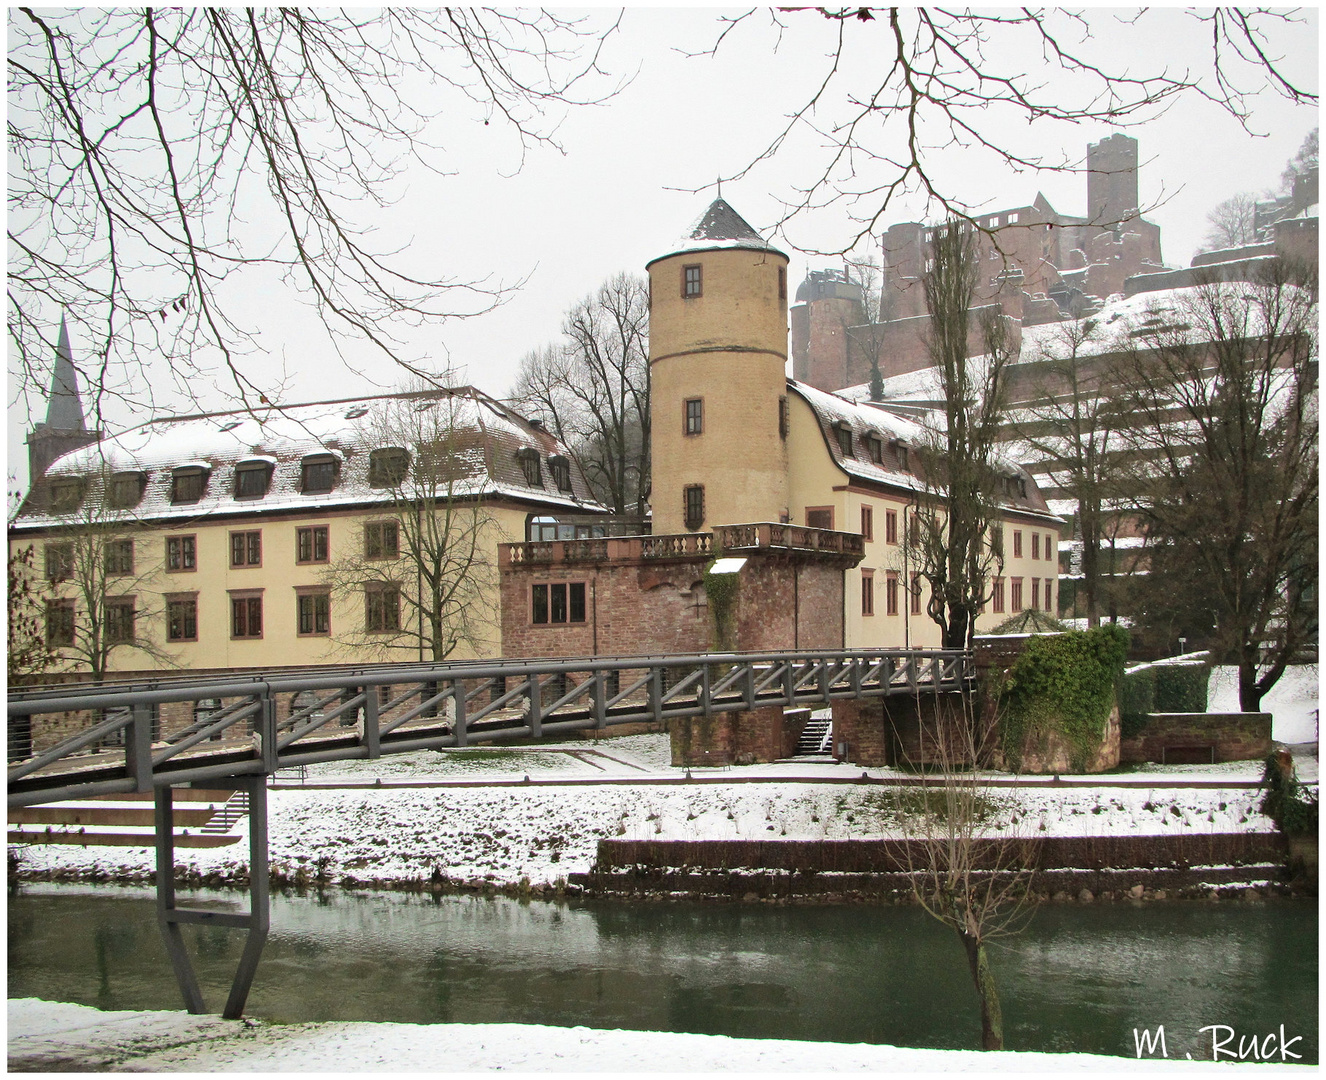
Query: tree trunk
[1250, 694]
[992, 1019]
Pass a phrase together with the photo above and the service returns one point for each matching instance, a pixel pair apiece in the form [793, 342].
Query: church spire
[64, 410]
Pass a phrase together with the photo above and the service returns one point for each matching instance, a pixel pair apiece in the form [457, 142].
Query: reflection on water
[1078, 979]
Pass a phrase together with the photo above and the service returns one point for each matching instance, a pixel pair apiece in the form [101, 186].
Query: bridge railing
[132, 738]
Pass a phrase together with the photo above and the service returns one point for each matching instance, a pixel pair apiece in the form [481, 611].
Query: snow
[1293, 702]
[46, 1034]
[535, 815]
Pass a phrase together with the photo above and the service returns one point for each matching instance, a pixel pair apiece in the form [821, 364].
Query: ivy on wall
[1062, 683]
[721, 591]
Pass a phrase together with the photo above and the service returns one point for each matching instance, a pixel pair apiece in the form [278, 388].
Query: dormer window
[529, 462]
[125, 490]
[876, 445]
[844, 432]
[317, 474]
[188, 483]
[904, 456]
[387, 467]
[1022, 487]
[66, 494]
[252, 479]
[561, 472]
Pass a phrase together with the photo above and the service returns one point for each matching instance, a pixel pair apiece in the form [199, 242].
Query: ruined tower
[717, 357]
[1112, 180]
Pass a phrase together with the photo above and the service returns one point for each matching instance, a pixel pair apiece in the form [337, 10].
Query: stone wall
[1177, 737]
[736, 738]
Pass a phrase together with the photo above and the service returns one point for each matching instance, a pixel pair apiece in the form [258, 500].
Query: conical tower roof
[720, 227]
[64, 410]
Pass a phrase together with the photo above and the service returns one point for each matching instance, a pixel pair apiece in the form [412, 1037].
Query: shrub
[1137, 696]
[1291, 806]
[1181, 688]
[1064, 683]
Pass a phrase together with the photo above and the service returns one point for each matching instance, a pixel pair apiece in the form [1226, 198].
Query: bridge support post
[256, 921]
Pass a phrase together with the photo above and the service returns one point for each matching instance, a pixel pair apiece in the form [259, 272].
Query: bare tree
[592, 390]
[942, 78]
[1069, 421]
[423, 569]
[28, 655]
[1224, 468]
[867, 338]
[963, 873]
[1233, 223]
[99, 593]
[1303, 162]
[156, 153]
[956, 512]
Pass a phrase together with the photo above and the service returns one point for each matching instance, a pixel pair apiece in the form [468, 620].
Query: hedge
[1181, 687]
[1137, 697]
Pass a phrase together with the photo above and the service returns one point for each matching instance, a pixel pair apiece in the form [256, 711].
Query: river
[1077, 978]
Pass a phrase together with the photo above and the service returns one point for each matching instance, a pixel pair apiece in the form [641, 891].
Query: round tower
[718, 393]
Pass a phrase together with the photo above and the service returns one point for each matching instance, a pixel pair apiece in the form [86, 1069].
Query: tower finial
[720, 187]
[64, 410]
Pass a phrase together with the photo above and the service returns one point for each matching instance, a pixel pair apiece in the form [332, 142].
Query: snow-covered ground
[478, 819]
[49, 1036]
[1293, 701]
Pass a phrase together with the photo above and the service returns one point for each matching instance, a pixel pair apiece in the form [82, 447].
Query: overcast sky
[622, 191]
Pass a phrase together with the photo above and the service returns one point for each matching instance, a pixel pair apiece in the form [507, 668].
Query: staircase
[203, 818]
[236, 807]
[816, 738]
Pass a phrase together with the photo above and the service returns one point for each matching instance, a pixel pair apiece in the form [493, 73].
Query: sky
[634, 172]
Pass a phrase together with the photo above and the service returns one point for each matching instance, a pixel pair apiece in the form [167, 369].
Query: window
[867, 592]
[246, 548]
[904, 457]
[126, 490]
[1015, 594]
[782, 283]
[311, 544]
[916, 531]
[1035, 593]
[382, 540]
[844, 432]
[59, 562]
[119, 557]
[387, 467]
[916, 593]
[181, 553]
[560, 469]
[868, 522]
[251, 480]
[1049, 582]
[891, 593]
[1035, 545]
[59, 623]
[1049, 546]
[694, 416]
[317, 474]
[997, 540]
[1017, 543]
[784, 417]
[382, 609]
[245, 616]
[313, 611]
[819, 517]
[690, 282]
[562, 602]
[694, 505]
[182, 618]
[876, 446]
[66, 494]
[188, 484]
[120, 620]
[997, 595]
[529, 462]
[890, 526]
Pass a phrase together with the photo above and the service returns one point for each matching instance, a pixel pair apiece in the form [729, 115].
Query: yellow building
[735, 441]
[297, 536]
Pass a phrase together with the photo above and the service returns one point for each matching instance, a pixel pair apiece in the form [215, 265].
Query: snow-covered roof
[483, 439]
[866, 420]
[719, 227]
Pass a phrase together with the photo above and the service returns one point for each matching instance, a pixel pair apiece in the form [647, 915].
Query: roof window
[356, 412]
[252, 479]
[387, 466]
[188, 483]
[125, 490]
[561, 472]
[529, 462]
[229, 425]
[903, 453]
[317, 473]
[843, 430]
[66, 494]
[876, 445]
